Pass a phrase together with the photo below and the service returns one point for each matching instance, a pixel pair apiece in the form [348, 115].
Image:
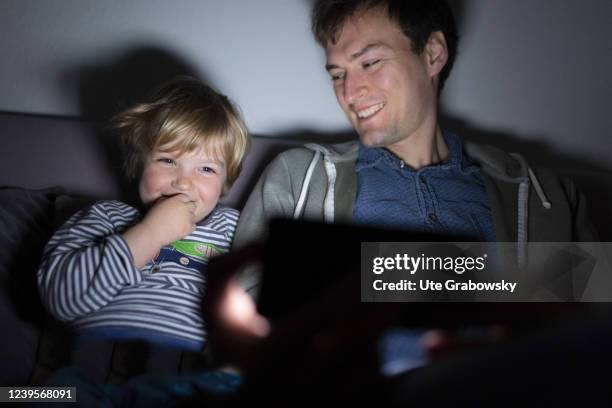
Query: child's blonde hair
[187, 115]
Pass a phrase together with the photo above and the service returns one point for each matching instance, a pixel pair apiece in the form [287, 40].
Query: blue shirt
[447, 198]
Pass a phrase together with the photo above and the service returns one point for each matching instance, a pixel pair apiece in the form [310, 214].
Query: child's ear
[436, 53]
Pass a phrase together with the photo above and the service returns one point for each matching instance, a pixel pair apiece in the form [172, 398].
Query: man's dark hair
[418, 19]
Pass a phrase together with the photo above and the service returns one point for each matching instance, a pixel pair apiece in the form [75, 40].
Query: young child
[117, 272]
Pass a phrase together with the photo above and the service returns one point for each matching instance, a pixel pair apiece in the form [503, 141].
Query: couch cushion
[25, 227]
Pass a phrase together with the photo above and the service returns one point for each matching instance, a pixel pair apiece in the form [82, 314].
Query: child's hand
[170, 219]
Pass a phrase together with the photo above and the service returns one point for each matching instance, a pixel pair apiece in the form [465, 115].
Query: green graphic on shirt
[197, 250]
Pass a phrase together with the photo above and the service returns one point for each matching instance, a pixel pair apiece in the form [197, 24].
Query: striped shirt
[89, 279]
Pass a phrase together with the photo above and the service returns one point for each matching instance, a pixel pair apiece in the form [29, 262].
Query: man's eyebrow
[355, 55]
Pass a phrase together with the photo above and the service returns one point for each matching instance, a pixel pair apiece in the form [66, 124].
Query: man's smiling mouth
[366, 113]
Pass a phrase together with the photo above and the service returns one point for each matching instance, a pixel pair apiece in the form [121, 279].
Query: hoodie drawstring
[538, 188]
[523, 213]
[523, 218]
[328, 209]
[299, 207]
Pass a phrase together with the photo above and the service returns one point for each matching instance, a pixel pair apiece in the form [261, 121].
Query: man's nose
[355, 87]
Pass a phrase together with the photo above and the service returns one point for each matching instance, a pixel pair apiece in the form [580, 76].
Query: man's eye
[337, 77]
[370, 64]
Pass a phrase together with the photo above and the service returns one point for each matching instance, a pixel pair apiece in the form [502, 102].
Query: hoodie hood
[498, 163]
[336, 153]
[511, 168]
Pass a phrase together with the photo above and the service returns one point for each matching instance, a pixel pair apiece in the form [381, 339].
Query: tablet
[306, 262]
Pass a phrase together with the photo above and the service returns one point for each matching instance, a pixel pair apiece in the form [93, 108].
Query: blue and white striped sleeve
[87, 262]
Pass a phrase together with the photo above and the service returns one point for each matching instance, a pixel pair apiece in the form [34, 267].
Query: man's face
[387, 91]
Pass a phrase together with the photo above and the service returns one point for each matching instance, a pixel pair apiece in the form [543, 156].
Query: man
[388, 61]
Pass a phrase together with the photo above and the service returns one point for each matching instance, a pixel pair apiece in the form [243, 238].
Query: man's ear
[436, 53]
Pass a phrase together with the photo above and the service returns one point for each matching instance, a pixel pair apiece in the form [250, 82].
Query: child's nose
[182, 182]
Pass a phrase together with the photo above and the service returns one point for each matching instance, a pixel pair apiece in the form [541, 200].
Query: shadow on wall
[106, 87]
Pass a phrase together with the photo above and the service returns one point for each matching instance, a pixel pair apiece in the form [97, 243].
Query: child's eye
[207, 169]
[166, 160]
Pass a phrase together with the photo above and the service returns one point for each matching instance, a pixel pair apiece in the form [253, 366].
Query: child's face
[196, 174]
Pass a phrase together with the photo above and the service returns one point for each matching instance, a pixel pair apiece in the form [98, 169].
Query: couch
[50, 167]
